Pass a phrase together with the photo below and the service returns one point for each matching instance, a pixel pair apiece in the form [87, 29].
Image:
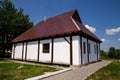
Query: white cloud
[103, 40]
[113, 31]
[119, 39]
[92, 29]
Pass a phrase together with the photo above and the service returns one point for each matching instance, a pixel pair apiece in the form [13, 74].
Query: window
[84, 47]
[46, 48]
[88, 47]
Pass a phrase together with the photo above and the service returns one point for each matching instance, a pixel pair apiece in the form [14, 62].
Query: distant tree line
[13, 22]
[112, 53]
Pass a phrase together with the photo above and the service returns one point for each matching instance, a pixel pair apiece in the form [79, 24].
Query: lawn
[110, 72]
[10, 70]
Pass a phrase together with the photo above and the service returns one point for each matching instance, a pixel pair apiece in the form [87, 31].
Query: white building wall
[12, 55]
[45, 57]
[98, 51]
[18, 51]
[92, 54]
[32, 51]
[24, 51]
[84, 55]
[61, 53]
[76, 50]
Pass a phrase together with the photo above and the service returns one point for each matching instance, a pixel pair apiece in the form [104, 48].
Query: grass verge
[110, 72]
[9, 70]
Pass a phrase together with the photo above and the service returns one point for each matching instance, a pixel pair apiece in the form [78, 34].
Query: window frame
[46, 48]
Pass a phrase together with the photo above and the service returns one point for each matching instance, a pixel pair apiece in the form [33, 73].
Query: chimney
[45, 18]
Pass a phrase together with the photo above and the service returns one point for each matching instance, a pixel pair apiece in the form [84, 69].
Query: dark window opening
[84, 48]
[46, 48]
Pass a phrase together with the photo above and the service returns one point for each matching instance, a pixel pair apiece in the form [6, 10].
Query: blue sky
[100, 16]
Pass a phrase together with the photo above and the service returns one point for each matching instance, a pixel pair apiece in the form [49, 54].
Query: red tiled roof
[58, 25]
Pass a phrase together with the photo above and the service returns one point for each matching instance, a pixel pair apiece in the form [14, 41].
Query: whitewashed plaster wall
[61, 53]
[84, 55]
[32, 50]
[12, 55]
[45, 57]
[76, 50]
[24, 51]
[18, 51]
[98, 51]
[92, 54]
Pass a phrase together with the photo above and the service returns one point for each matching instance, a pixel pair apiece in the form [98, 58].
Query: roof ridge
[71, 11]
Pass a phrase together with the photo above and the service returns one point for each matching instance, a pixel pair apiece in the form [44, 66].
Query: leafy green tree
[111, 52]
[117, 53]
[114, 53]
[102, 53]
[13, 22]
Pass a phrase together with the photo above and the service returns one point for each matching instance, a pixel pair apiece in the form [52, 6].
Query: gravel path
[80, 73]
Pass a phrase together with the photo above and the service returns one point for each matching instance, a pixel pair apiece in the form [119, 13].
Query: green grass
[110, 72]
[106, 58]
[9, 70]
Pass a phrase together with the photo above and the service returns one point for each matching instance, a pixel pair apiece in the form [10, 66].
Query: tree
[117, 53]
[13, 22]
[114, 53]
[103, 54]
[111, 52]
